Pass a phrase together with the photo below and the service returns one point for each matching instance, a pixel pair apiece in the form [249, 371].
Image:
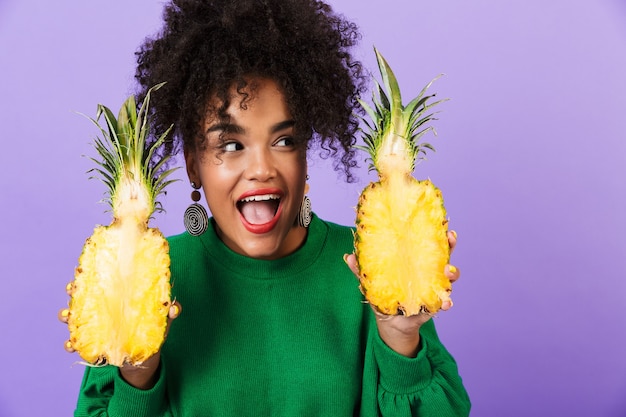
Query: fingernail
[452, 269]
[345, 258]
[174, 310]
[68, 287]
[65, 312]
[68, 345]
[453, 233]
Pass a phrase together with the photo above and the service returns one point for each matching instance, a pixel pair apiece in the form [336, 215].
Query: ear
[192, 165]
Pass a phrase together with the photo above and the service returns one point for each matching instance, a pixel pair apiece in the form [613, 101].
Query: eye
[232, 146]
[285, 141]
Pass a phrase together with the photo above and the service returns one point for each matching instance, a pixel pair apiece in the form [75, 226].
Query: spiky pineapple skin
[121, 295]
[402, 247]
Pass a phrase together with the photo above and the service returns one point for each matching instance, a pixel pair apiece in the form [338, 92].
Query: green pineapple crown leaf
[124, 155]
[394, 127]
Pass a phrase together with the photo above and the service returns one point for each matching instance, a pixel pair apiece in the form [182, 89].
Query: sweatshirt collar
[302, 258]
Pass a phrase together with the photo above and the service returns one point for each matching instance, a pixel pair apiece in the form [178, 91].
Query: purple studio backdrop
[531, 156]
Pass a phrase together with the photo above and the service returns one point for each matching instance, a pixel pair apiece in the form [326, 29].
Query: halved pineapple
[121, 293]
[401, 240]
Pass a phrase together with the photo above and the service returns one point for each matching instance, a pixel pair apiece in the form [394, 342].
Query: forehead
[259, 95]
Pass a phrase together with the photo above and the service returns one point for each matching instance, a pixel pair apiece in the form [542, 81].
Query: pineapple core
[401, 240]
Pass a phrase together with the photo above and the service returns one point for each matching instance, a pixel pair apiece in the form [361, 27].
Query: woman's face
[253, 174]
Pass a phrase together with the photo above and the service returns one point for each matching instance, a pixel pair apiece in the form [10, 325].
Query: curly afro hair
[208, 46]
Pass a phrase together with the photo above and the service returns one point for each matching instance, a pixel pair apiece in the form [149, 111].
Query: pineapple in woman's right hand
[120, 297]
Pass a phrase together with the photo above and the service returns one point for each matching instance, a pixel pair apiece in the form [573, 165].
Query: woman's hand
[401, 333]
[145, 375]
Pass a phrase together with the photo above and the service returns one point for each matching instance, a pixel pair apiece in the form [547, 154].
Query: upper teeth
[260, 197]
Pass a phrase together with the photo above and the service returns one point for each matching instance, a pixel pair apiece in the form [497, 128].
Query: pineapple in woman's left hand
[401, 241]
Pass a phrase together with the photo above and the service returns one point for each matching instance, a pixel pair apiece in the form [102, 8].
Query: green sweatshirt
[289, 337]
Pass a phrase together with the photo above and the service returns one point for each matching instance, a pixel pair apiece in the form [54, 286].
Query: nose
[260, 166]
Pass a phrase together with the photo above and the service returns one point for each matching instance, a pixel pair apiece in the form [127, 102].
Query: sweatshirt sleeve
[104, 393]
[424, 386]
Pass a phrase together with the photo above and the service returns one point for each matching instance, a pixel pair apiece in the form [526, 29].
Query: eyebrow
[234, 128]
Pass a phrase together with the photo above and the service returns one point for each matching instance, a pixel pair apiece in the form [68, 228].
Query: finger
[63, 315]
[69, 288]
[173, 313]
[175, 310]
[452, 238]
[452, 272]
[350, 260]
[68, 347]
[447, 305]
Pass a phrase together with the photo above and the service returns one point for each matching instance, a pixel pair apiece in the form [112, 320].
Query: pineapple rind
[118, 309]
[402, 260]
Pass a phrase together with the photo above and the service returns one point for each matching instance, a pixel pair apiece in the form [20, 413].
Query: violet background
[530, 155]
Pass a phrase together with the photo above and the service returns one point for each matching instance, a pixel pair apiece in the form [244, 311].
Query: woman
[273, 320]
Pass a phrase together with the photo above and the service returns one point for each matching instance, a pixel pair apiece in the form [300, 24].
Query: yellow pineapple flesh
[401, 240]
[120, 295]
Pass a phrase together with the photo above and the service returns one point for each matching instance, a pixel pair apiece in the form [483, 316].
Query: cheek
[297, 173]
[299, 187]
[216, 171]
[217, 183]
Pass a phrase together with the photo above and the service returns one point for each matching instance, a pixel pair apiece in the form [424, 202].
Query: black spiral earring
[196, 218]
[305, 215]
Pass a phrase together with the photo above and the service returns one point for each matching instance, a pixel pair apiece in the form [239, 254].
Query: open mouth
[260, 212]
